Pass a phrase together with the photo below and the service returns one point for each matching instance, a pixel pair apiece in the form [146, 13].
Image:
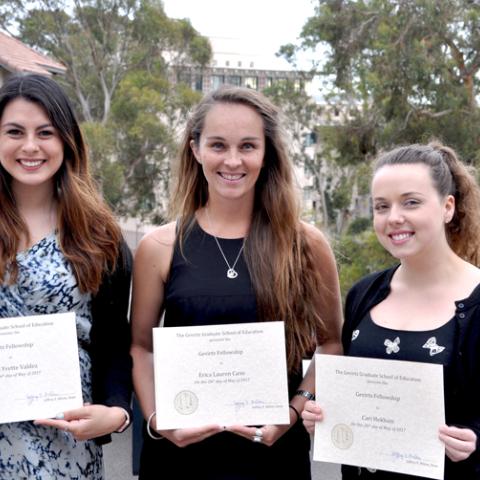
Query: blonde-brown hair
[89, 235]
[450, 177]
[284, 273]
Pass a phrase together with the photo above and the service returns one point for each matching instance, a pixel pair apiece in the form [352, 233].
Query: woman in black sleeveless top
[237, 253]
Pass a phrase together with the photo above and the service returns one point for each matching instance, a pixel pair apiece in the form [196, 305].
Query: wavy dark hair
[89, 235]
[284, 272]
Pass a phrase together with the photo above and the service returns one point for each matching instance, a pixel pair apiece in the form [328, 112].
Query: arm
[111, 362]
[329, 306]
[152, 263]
[462, 435]
[151, 269]
[110, 336]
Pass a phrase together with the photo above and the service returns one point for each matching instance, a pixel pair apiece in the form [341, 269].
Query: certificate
[39, 367]
[220, 374]
[380, 414]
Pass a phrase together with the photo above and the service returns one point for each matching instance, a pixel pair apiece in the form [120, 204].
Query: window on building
[235, 80]
[251, 64]
[239, 64]
[227, 63]
[298, 85]
[251, 82]
[199, 83]
[217, 81]
[310, 139]
[268, 82]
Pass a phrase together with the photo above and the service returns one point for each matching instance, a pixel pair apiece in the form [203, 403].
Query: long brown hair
[450, 177]
[89, 235]
[285, 276]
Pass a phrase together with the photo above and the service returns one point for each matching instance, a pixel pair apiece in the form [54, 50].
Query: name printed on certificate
[39, 367]
[380, 414]
[220, 374]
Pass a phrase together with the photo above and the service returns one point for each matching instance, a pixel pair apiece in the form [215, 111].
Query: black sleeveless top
[198, 292]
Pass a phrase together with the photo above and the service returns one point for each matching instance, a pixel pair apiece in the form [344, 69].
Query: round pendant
[231, 273]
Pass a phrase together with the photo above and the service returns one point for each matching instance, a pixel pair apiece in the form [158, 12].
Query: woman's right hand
[311, 413]
[182, 437]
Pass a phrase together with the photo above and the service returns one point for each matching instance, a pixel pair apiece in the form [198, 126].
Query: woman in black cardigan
[426, 214]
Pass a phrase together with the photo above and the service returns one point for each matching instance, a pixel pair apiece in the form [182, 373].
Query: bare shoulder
[155, 250]
[160, 239]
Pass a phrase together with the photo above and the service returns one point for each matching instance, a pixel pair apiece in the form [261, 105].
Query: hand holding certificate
[39, 367]
[380, 414]
[221, 374]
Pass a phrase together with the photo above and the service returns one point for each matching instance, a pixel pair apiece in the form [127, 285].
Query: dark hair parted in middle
[89, 236]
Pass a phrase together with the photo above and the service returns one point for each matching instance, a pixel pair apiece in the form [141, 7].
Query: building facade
[237, 64]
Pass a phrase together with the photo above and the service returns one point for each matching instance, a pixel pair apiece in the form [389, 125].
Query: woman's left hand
[460, 443]
[267, 435]
[88, 422]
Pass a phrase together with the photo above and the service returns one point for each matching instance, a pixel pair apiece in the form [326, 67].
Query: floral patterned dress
[46, 285]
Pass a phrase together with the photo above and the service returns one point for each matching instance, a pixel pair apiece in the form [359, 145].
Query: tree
[301, 116]
[358, 255]
[403, 71]
[329, 182]
[120, 55]
[394, 72]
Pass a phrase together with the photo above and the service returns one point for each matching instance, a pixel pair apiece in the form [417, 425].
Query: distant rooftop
[237, 53]
[16, 57]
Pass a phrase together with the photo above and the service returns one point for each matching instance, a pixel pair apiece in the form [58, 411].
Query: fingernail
[60, 416]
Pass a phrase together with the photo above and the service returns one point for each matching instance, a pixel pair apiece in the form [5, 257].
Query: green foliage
[359, 225]
[403, 71]
[146, 113]
[364, 177]
[107, 172]
[301, 113]
[393, 72]
[340, 197]
[358, 255]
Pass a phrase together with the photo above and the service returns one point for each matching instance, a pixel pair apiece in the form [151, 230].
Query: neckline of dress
[24, 253]
[238, 239]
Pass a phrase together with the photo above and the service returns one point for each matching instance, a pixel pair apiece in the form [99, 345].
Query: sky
[265, 24]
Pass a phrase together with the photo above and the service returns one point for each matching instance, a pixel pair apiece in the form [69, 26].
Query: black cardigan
[110, 339]
[462, 394]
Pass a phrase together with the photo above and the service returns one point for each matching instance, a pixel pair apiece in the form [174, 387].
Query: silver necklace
[231, 272]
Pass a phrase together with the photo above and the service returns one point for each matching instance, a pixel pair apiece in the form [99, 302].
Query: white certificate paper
[380, 414]
[39, 367]
[220, 374]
